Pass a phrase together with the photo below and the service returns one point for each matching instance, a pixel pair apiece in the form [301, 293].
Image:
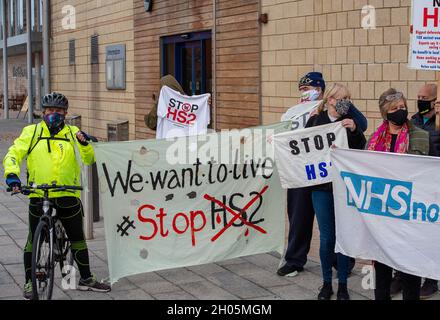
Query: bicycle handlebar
[26, 190]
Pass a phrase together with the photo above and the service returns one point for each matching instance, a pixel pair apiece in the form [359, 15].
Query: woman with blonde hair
[397, 134]
[334, 107]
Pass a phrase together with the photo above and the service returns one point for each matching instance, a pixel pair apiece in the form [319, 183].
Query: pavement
[245, 278]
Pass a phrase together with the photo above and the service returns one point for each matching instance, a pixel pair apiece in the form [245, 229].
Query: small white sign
[424, 51]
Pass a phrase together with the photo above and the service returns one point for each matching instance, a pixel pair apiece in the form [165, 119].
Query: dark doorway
[188, 58]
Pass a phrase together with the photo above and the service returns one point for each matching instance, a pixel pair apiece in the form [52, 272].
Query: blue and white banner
[303, 156]
[387, 209]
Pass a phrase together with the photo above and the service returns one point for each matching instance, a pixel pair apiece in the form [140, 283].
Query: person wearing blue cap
[299, 200]
[311, 86]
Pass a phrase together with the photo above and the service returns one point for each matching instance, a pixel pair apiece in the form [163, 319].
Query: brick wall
[326, 36]
[84, 83]
[237, 55]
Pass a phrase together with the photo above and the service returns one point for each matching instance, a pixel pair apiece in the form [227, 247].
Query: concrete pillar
[37, 61]
[29, 61]
[38, 81]
[214, 65]
[5, 62]
[46, 35]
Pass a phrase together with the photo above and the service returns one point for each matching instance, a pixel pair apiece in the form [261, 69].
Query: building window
[11, 15]
[21, 8]
[33, 26]
[94, 50]
[72, 52]
[115, 67]
[1, 21]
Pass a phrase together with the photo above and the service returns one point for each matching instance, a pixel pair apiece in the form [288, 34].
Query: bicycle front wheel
[42, 263]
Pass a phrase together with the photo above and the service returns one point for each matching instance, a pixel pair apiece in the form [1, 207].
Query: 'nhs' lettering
[384, 197]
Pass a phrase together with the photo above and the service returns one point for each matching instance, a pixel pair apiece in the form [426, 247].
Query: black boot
[326, 291]
[342, 292]
[429, 288]
[396, 284]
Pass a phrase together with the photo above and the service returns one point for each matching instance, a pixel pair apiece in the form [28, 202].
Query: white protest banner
[387, 209]
[303, 156]
[425, 37]
[180, 116]
[300, 113]
[160, 213]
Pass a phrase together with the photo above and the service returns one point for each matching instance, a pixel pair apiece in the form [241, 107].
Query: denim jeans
[325, 214]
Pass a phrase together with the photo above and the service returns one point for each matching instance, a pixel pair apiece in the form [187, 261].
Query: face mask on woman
[398, 117]
[342, 106]
[310, 95]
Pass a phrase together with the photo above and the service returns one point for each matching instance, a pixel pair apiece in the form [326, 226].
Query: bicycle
[50, 243]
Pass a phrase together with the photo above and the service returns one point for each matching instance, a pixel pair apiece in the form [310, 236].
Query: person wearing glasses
[334, 107]
[399, 135]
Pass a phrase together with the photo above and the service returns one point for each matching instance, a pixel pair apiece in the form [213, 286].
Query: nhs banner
[387, 209]
[303, 156]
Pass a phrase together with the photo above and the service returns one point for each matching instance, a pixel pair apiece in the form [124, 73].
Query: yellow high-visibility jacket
[49, 160]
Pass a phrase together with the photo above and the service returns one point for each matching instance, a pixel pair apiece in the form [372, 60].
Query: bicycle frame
[49, 219]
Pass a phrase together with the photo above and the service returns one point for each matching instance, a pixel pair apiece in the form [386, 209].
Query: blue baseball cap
[313, 79]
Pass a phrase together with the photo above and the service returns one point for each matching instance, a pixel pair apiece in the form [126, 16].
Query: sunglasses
[394, 96]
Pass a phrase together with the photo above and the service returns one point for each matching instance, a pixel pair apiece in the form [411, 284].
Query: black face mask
[398, 117]
[424, 106]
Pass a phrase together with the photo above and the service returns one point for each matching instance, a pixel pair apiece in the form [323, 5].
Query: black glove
[85, 136]
[434, 143]
[12, 180]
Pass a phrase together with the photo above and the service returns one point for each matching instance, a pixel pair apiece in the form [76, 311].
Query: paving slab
[294, 292]
[10, 254]
[178, 295]
[134, 294]
[238, 286]
[206, 290]
[153, 283]
[10, 290]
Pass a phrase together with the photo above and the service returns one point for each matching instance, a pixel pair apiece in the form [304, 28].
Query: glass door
[191, 66]
[188, 58]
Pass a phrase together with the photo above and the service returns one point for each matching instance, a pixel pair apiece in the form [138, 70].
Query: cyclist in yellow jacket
[50, 147]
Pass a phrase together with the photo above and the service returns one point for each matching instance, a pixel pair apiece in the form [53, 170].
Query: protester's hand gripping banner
[163, 212]
[300, 113]
[303, 156]
[387, 209]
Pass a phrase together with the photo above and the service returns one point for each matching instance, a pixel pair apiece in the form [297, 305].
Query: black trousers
[301, 215]
[70, 213]
[384, 275]
[427, 280]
